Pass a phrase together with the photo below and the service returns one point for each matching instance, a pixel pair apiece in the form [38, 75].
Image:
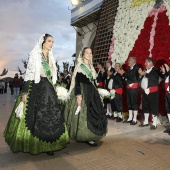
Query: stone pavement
[125, 147]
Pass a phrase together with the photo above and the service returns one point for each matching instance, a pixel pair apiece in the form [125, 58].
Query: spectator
[61, 78]
[16, 85]
[22, 81]
[6, 85]
[11, 87]
[1, 87]
[67, 80]
[71, 72]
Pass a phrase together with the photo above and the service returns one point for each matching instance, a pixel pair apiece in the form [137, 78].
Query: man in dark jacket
[116, 90]
[150, 95]
[67, 80]
[16, 85]
[109, 72]
[101, 75]
[132, 78]
[165, 69]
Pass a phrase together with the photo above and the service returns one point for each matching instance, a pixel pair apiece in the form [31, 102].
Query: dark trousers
[116, 103]
[167, 102]
[5, 90]
[150, 103]
[1, 91]
[132, 99]
[12, 91]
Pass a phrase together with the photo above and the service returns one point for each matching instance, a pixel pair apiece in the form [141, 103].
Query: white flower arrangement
[104, 93]
[62, 93]
[128, 24]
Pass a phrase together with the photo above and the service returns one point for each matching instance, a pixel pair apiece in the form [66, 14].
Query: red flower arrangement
[142, 44]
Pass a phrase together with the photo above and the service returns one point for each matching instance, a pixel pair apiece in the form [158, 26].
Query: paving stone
[125, 147]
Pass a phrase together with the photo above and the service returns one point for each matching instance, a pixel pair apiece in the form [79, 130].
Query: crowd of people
[15, 85]
[65, 79]
[46, 124]
[134, 80]
[3, 86]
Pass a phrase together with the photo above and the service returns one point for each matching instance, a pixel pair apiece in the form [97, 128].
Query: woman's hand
[79, 100]
[24, 98]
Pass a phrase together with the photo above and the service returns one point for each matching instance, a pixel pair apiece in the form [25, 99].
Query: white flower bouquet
[62, 93]
[19, 110]
[104, 93]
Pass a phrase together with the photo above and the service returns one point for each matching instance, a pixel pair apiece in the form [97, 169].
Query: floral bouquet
[62, 93]
[104, 93]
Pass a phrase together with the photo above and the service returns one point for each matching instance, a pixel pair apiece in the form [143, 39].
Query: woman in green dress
[85, 116]
[41, 126]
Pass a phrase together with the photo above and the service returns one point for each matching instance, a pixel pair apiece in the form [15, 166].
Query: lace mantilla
[79, 70]
[34, 63]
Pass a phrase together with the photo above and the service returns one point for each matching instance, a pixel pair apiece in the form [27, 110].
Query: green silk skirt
[78, 126]
[21, 139]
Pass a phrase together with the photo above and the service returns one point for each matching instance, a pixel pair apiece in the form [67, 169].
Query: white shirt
[149, 70]
[167, 81]
[132, 67]
[109, 68]
[144, 82]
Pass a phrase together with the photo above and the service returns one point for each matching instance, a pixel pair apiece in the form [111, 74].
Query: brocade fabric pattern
[44, 115]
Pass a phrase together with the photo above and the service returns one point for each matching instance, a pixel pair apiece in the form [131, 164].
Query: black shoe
[50, 153]
[133, 123]
[143, 125]
[91, 143]
[153, 127]
[127, 121]
[112, 117]
[119, 119]
[167, 131]
[108, 116]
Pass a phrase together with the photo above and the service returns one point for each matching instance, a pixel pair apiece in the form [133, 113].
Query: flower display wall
[142, 31]
[154, 40]
[161, 50]
[142, 44]
[128, 24]
[154, 13]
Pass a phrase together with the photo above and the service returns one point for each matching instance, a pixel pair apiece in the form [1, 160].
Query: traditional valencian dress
[41, 127]
[90, 124]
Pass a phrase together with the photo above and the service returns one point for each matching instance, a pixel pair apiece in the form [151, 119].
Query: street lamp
[74, 58]
[76, 2]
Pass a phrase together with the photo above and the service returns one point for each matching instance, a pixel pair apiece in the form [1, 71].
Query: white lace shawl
[34, 64]
[79, 70]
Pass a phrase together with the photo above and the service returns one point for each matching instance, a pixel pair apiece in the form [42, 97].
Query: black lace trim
[44, 115]
[96, 116]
